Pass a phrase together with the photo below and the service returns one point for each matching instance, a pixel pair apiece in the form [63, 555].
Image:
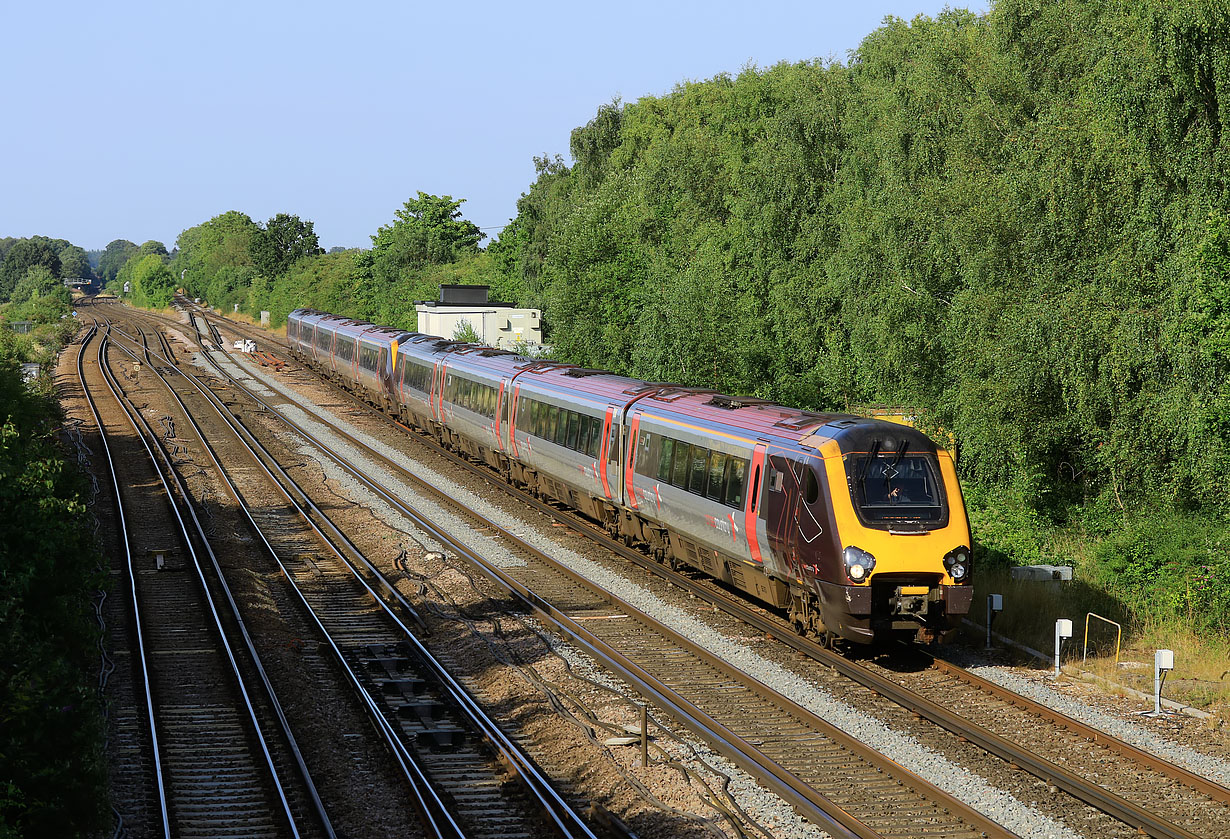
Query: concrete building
[496, 324]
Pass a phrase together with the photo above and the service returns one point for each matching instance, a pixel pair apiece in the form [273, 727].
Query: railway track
[469, 778]
[207, 737]
[1153, 796]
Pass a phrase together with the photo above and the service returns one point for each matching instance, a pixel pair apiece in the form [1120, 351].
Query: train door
[754, 499]
[606, 450]
[779, 508]
[384, 363]
[437, 392]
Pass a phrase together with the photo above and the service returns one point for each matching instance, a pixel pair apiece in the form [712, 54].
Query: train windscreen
[889, 488]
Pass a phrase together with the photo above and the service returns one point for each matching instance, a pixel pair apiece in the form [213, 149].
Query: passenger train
[854, 528]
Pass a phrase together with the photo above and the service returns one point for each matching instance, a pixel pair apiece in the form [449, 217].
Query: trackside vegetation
[52, 778]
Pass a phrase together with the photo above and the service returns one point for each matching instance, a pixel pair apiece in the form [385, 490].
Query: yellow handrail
[1118, 636]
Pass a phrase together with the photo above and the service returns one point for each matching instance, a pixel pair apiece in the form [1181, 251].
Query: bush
[51, 759]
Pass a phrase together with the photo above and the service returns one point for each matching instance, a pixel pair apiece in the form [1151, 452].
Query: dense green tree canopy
[39, 296]
[24, 255]
[284, 239]
[113, 258]
[50, 740]
[428, 230]
[75, 264]
[1013, 222]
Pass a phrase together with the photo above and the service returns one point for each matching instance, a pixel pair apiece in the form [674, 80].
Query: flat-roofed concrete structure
[496, 324]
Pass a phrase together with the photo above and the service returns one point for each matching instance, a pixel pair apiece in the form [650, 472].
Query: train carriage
[567, 436]
[471, 381]
[374, 350]
[415, 366]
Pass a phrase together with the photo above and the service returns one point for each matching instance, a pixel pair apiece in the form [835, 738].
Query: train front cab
[901, 564]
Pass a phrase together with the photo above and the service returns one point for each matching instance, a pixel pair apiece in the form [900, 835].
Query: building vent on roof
[464, 295]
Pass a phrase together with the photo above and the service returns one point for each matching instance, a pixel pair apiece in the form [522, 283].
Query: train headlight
[859, 563]
[957, 563]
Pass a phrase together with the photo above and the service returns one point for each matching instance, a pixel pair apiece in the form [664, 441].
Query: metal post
[1063, 629]
[644, 736]
[1163, 660]
[995, 604]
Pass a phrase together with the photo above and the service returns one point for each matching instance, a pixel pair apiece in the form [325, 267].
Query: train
[853, 528]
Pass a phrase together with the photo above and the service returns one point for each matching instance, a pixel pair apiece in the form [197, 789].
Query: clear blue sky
[137, 120]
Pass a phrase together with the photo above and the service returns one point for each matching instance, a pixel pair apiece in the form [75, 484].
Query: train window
[777, 479]
[612, 449]
[561, 427]
[898, 488]
[736, 473]
[595, 437]
[717, 473]
[536, 418]
[644, 462]
[683, 460]
[664, 459]
[574, 427]
[583, 434]
[755, 489]
[552, 414]
[700, 460]
[811, 487]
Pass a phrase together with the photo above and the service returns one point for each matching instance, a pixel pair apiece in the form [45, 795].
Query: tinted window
[574, 428]
[595, 437]
[700, 458]
[552, 422]
[811, 487]
[612, 451]
[897, 488]
[683, 460]
[664, 459]
[735, 479]
[717, 473]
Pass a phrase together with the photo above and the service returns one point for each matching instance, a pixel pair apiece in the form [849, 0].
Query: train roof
[765, 420]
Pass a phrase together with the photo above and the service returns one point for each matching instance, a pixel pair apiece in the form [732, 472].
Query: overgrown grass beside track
[1163, 575]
